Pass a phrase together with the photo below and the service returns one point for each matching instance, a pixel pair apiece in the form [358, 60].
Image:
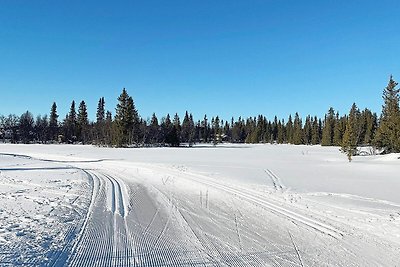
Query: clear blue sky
[221, 57]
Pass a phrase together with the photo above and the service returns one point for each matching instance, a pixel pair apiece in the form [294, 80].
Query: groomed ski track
[144, 214]
[129, 224]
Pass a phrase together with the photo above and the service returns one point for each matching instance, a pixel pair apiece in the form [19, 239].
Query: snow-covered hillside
[230, 205]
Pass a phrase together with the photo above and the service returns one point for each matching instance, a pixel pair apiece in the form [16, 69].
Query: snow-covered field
[230, 205]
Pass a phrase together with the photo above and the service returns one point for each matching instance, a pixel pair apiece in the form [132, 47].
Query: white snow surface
[229, 205]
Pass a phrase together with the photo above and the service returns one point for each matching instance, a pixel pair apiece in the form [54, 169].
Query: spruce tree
[289, 130]
[41, 129]
[178, 128]
[192, 130]
[136, 132]
[154, 130]
[281, 136]
[328, 128]
[186, 128]
[274, 130]
[126, 120]
[205, 129]
[11, 124]
[26, 123]
[108, 129]
[315, 133]
[82, 123]
[100, 121]
[297, 138]
[388, 133]
[100, 114]
[217, 131]
[308, 131]
[370, 125]
[340, 128]
[70, 127]
[351, 135]
[53, 122]
[170, 130]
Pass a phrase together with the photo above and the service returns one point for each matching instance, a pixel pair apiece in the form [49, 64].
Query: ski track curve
[126, 227]
[267, 203]
[104, 240]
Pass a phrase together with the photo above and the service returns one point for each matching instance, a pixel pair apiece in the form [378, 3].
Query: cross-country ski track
[154, 214]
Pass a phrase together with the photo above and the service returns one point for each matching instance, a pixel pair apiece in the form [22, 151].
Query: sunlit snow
[229, 205]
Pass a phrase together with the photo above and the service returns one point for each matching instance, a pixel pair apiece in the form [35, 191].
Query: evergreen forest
[126, 128]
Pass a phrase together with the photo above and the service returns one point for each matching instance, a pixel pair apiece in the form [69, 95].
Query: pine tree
[136, 133]
[217, 131]
[274, 130]
[82, 123]
[126, 120]
[281, 136]
[100, 119]
[100, 114]
[307, 131]
[70, 127]
[315, 135]
[26, 123]
[340, 128]
[154, 130]
[260, 129]
[11, 125]
[370, 125]
[297, 130]
[170, 130]
[388, 133]
[108, 129]
[186, 128]
[289, 130]
[42, 128]
[53, 122]
[205, 129]
[178, 128]
[351, 135]
[192, 130]
[226, 132]
[328, 128]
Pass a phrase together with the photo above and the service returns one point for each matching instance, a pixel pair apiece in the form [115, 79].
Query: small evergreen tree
[340, 127]
[315, 132]
[297, 130]
[328, 128]
[154, 130]
[388, 133]
[126, 120]
[82, 122]
[289, 131]
[217, 131]
[370, 124]
[186, 128]
[70, 124]
[308, 131]
[26, 123]
[42, 128]
[108, 129]
[100, 119]
[53, 122]
[350, 137]
[171, 135]
[281, 136]
[100, 114]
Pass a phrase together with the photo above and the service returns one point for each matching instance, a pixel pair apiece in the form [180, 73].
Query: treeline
[128, 128]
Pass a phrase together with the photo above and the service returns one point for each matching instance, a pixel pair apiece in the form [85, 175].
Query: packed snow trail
[129, 224]
[115, 212]
[125, 227]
